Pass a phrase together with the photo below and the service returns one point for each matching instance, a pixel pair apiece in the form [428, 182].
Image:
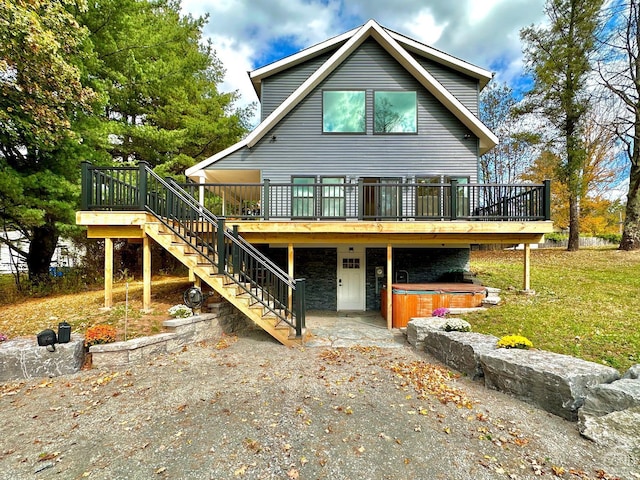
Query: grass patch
[26, 316]
[585, 303]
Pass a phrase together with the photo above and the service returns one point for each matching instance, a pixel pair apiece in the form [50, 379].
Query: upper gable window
[343, 111]
[395, 112]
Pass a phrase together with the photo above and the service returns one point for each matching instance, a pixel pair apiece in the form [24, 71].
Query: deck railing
[139, 188]
[375, 201]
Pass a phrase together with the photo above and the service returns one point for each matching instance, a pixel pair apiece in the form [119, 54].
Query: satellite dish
[193, 297]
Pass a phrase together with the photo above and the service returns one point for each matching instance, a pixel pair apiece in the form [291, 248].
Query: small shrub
[99, 334]
[610, 237]
[456, 325]
[440, 312]
[555, 237]
[514, 341]
[180, 311]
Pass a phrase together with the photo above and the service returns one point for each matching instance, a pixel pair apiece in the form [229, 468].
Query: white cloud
[236, 59]
[248, 33]
[423, 28]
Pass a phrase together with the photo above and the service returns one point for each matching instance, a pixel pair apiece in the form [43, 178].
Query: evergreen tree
[560, 58]
[160, 81]
[41, 48]
[117, 81]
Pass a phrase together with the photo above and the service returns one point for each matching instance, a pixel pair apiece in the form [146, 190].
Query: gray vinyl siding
[463, 87]
[297, 146]
[276, 88]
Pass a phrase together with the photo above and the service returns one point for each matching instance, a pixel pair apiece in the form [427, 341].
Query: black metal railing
[376, 201]
[139, 188]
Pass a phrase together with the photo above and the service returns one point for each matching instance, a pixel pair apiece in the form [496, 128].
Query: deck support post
[527, 267]
[146, 274]
[202, 181]
[290, 273]
[389, 298]
[108, 273]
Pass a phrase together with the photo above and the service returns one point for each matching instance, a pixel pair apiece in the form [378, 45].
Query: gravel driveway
[249, 408]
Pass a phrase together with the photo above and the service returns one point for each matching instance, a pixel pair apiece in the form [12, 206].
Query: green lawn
[587, 303]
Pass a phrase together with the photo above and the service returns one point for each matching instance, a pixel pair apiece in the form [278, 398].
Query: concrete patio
[346, 329]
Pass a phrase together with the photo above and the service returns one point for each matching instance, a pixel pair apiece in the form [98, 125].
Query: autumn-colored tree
[41, 95]
[559, 57]
[599, 171]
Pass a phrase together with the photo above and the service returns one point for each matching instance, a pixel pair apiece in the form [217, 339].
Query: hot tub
[421, 299]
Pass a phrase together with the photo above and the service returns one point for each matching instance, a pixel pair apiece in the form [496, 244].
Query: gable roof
[482, 75]
[351, 40]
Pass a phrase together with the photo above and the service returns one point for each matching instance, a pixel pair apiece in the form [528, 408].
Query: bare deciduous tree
[619, 70]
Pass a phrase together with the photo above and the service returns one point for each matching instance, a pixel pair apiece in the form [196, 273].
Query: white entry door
[351, 280]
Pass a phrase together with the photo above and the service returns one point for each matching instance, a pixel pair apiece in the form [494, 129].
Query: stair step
[192, 253]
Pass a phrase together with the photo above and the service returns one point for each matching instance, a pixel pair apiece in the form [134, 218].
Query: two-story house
[362, 174]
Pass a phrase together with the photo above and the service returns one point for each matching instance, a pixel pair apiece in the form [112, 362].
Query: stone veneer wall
[318, 266]
[223, 318]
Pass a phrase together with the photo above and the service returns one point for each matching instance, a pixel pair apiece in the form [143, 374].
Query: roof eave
[257, 75]
[484, 76]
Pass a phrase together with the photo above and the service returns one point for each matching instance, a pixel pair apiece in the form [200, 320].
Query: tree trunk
[631, 233]
[41, 249]
[574, 223]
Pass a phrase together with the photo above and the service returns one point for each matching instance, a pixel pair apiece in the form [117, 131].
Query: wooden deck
[131, 224]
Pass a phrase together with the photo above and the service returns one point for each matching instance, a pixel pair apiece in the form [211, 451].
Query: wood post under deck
[389, 298]
[290, 271]
[527, 267]
[108, 273]
[146, 274]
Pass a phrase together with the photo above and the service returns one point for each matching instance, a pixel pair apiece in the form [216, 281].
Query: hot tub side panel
[423, 265]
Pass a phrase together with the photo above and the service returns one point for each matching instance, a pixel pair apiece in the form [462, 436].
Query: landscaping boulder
[620, 429]
[611, 412]
[23, 358]
[554, 382]
[611, 397]
[492, 298]
[419, 328]
[633, 372]
[460, 350]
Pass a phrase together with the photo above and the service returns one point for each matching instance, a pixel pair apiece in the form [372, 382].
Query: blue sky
[248, 34]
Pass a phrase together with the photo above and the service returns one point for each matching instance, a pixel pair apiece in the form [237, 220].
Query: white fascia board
[257, 75]
[197, 170]
[441, 57]
[487, 139]
[310, 83]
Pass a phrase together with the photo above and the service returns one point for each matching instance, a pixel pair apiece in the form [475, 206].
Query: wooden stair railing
[218, 255]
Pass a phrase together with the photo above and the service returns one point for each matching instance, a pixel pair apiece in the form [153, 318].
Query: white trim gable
[283, 64]
[371, 29]
[484, 76]
[450, 61]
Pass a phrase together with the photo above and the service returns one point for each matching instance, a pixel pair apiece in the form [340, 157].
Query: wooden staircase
[231, 289]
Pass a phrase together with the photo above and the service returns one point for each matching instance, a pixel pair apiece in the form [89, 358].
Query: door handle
[339, 282]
